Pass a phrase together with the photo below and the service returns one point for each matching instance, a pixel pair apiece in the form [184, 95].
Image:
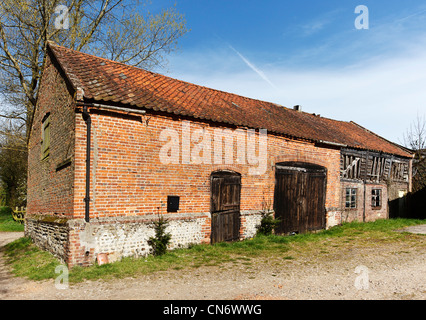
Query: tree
[110, 28]
[113, 29]
[415, 139]
[13, 165]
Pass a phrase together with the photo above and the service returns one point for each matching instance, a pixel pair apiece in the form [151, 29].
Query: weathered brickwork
[51, 181]
[128, 179]
[364, 211]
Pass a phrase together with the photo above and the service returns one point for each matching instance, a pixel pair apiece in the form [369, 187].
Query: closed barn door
[299, 200]
[225, 206]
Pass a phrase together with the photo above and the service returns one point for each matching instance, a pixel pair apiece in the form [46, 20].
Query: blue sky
[310, 53]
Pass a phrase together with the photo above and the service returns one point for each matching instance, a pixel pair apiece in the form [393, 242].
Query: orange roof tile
[106, 81]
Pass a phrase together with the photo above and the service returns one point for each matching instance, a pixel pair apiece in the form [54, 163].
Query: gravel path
[380, 271]
[7, 283]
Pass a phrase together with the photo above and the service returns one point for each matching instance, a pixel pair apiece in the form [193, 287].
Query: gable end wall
[50, 188]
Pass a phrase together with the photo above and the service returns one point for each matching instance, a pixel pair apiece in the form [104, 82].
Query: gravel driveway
[378, 271]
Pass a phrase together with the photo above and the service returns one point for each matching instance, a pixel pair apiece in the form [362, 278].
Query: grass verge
[28, 261]
[7, 224]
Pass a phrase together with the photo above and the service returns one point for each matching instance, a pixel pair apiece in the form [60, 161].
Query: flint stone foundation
[76, 242]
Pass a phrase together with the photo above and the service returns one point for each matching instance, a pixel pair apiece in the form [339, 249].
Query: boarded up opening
[299, 200]
[225, 206]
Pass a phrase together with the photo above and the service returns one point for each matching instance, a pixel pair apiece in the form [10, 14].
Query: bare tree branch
[415, 139]
[110, 28]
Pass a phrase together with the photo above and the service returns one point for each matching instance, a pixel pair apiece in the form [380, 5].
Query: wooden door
[225, 206]
[299, 200]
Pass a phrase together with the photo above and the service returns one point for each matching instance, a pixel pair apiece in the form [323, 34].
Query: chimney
[297, 108]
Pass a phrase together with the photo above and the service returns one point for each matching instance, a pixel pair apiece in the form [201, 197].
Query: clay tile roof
[106, 81]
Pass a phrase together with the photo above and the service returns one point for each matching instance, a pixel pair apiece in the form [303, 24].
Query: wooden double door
[299, 199]
[225, 206]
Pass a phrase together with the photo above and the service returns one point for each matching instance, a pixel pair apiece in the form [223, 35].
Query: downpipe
[88, 120]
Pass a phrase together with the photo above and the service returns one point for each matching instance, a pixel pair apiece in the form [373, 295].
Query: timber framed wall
[372, 179]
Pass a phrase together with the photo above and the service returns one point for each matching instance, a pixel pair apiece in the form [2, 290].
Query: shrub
[268, 223]
[161, 239]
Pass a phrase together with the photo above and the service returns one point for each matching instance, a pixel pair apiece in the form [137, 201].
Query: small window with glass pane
[351, 195]
[376, 198]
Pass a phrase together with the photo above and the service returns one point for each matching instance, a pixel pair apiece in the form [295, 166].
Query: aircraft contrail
[253, 67]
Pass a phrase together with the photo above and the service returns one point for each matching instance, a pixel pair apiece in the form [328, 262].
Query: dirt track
[381, 271]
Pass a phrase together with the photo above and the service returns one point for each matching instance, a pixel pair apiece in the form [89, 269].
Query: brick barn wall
[50, 189]
[372, 214]
[128, 178]
[50, 185]
[129, 181]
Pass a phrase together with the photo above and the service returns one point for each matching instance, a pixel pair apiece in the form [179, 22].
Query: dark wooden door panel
[225, 206]
[300, 198]
[316, 205]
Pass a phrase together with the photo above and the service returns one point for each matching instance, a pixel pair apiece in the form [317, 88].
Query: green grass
[28, 261]
[7, 224]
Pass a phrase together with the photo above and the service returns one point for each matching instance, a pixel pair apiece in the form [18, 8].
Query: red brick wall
[50, 191]
[128, 178]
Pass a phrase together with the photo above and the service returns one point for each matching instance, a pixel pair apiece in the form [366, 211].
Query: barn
[113, 147]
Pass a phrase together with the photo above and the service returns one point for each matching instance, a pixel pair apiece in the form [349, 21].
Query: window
[350, 198]
[45, 136]
[376, 198]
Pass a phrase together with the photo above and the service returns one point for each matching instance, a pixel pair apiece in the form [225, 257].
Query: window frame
[352, 202]
[45, 136]
[376, 198]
